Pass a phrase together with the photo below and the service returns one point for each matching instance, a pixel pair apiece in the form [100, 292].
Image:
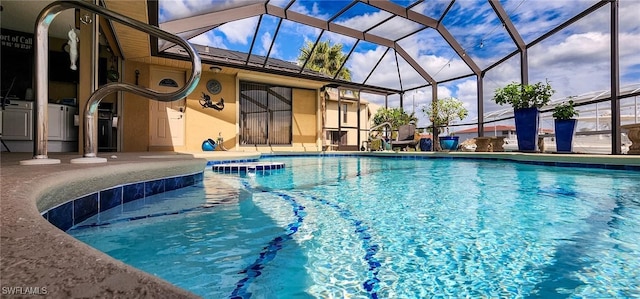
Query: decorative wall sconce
[215, 69]
[205, 102]
[86, 19]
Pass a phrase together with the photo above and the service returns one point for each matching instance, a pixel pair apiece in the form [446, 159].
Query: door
[166, 119]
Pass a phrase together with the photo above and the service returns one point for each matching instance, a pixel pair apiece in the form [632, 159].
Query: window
[265, 114]
[337, 137]
[344, 113]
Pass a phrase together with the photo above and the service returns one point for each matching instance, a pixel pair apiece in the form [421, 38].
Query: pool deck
[35, 256]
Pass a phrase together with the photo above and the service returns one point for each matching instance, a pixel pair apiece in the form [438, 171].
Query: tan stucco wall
[204, 123]
[135, 118]
[304, 118]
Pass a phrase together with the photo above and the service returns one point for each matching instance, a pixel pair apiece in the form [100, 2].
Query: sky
[575, 60]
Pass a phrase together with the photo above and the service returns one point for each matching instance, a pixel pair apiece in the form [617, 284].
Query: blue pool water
[361, 227]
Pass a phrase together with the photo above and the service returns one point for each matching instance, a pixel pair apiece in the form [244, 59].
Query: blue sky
[575, 60]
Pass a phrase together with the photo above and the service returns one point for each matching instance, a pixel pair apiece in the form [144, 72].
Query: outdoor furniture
[497, 144]
[406, 137]
[633, 132]
[482, 144]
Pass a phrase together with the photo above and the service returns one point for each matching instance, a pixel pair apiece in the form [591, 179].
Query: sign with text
[16, 40]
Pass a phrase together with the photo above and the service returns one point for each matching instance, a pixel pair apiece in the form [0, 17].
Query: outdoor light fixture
[215, 69]
[86, 19]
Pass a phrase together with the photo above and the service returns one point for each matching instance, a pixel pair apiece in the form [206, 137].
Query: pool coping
[39, 259]
[35, 254]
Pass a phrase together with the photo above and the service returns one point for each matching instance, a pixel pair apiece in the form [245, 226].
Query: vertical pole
[615, 82]
[597, 118]
[323, 121]
[480, 92]
[41, 76]
[635, 99]
[91, 132]
[358, 117]
[434, 124]
[339, 119]
[524, 66]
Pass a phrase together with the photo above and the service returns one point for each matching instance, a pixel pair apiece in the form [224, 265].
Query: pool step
[247, 167]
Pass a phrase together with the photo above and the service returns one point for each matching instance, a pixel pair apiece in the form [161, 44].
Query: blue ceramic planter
[449, 143]
[565, 129]
[209, 145]
[527, 129]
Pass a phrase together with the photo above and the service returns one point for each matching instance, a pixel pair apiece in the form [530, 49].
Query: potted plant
[565, 126]
[525, 99]
[441, 113]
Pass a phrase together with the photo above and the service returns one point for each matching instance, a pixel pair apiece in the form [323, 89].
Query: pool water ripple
[383, 228]
[269, 252]
[370, 285]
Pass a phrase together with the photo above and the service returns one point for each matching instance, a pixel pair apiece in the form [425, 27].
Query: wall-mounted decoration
[73, 48]
[168, 82]
[205, 102]
[214, 86]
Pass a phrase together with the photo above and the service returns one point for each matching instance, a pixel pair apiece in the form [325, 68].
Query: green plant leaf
[524, 95]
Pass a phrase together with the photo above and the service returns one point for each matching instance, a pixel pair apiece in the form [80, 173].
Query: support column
[480, 92]
[616, 142]
[88, 68]
[524, 66]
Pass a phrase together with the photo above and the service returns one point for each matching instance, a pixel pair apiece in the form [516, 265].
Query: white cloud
[365, 21]
[575, 59]
[265, 43]
[209, 39]
[240, 31]
[361, 63]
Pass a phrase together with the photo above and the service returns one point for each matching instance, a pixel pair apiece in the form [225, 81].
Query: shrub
[521, 96]
[565, 111]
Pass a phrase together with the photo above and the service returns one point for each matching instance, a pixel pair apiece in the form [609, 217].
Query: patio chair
[406, 137]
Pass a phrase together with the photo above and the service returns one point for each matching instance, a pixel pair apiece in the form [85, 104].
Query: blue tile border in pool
[244, 167]
[75, 211]
[270, 250]
[211, 163]
[405, 156]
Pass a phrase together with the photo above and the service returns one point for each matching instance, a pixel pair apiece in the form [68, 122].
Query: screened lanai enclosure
[408, 53]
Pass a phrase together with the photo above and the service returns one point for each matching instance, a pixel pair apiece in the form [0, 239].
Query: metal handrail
[41, 73]
[380, 125]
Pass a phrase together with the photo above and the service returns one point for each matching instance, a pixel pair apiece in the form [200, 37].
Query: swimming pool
[365, 227]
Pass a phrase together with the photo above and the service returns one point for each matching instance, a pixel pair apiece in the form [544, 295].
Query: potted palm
[525, 99]
[441, 113]
[565, 126]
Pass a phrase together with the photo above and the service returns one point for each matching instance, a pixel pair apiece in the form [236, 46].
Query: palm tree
[325, 59]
